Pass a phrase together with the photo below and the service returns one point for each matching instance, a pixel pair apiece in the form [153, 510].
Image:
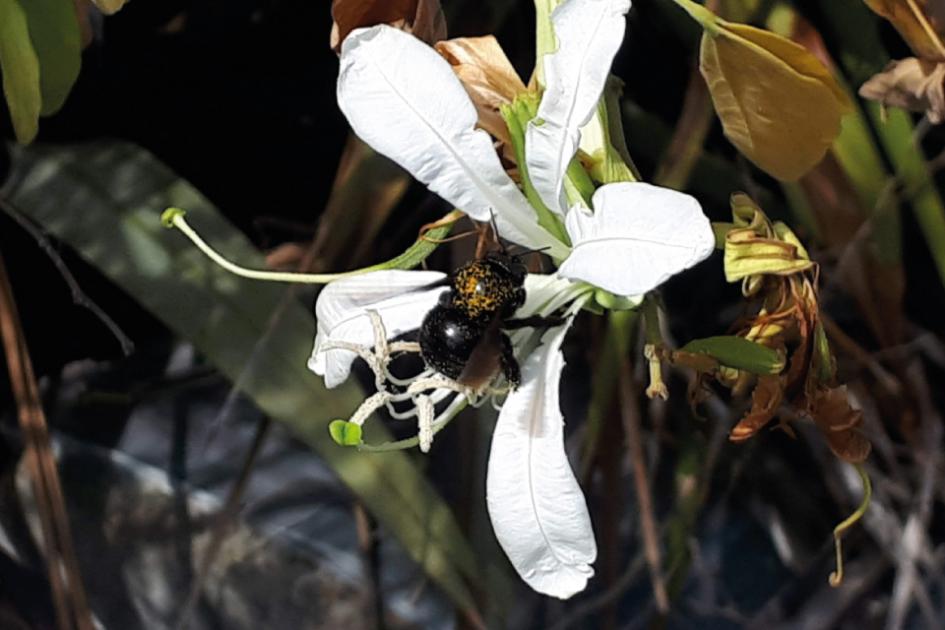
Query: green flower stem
[615, 345]
[174, 218]
[836, 578]
[517, 115]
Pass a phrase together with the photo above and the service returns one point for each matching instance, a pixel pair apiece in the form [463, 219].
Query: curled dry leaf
[489, 79]
[765, 400]
[840, 423]
[422, 18]
[913, 84]
[778, 104]
[920, 22]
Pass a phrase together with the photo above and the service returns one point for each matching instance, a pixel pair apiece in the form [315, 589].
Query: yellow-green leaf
[748, 255]
[54, 31]
[20, 68]
[778, 104]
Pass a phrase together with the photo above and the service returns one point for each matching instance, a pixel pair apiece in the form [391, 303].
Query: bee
[464, 336]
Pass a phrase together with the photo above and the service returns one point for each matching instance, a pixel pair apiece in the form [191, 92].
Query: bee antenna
[533, 251]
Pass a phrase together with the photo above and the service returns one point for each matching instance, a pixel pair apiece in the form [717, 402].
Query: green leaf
[105, 199]
[345, 433]
[738, 353]
[20, 67]
[54, 31]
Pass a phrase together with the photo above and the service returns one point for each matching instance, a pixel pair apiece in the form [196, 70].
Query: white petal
[404, 100]
[342, 312]
[589, 32]
[544, 294]
[537, 509]
[637, 237]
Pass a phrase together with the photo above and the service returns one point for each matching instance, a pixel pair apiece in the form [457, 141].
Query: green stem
[708, 20]
[836, 578]
[654, 340]
[651, 319]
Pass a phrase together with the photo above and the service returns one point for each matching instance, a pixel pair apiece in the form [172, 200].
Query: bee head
[511, 264]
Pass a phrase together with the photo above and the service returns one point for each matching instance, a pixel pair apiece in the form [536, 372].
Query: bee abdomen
[447, 339]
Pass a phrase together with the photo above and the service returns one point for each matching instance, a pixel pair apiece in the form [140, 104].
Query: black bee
[463, 337]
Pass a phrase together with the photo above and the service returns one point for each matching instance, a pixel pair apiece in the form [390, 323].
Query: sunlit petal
[537, 509]
[399, 297]
[589, 32]
[404, 100]
[637, 237]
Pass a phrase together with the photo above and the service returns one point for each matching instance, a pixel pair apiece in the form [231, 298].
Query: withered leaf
[697, 361]
[912, 84]
[765, 399]
[840, 424]
[908, 17]
[488, 77]
[422, 18]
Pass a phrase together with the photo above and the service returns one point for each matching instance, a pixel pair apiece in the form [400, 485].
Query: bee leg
[510, 368]
[535, 321]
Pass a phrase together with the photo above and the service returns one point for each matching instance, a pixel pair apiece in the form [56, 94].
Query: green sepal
[517, 115]
[612, 302]
[826, 365]
[604, 142]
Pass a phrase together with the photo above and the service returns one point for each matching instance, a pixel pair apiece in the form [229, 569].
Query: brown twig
[79, 296]
[630, 415]
[72, 610]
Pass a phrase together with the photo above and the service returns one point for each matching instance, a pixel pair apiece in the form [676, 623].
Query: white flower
[403, 99]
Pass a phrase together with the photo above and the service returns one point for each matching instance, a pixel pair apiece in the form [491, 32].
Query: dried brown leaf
[912, 84]
[840, 424]
[920, 22]
[422, 18]
[489, 79]
[288, 256]
[698, 361]
[765, 399]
